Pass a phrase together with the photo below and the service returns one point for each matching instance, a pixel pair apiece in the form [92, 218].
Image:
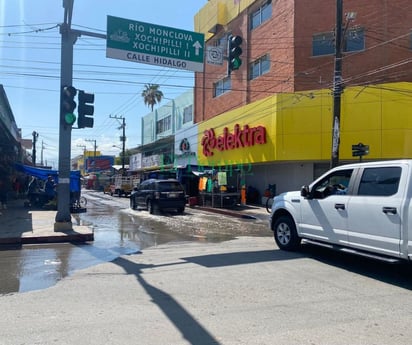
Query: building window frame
[187, 114]
[410, 41]
[164, 124]
[323, 43]
[259, 67]
[261, 15]
[222, 86]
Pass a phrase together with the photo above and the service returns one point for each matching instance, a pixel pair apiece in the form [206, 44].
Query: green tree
[152, 95]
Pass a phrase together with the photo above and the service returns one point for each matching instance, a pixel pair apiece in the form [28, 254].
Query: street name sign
[152, 44]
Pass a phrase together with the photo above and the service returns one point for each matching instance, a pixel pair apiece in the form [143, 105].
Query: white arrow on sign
[197, 46]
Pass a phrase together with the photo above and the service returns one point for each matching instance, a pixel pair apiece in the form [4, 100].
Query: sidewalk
[22, 225]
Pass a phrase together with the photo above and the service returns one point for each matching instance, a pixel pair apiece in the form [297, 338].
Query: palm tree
[152, 95]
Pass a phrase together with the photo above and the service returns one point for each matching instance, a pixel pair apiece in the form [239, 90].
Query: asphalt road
[242, 291]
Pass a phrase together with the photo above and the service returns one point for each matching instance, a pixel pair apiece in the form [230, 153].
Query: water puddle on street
[117, 231]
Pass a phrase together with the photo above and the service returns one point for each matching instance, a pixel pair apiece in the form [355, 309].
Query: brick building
[288, 46]
[282, 90]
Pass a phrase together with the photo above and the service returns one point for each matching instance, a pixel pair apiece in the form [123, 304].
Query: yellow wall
[381, 117]
[259, 113]
[218, 12]
[298, 126]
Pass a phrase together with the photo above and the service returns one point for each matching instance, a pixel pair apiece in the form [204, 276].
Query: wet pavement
[23, 225]
[117, 230]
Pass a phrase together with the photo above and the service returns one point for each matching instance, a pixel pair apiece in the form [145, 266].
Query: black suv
[159, 195]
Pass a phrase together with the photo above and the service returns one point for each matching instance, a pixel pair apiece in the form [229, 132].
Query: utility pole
[35, 136]
[337, 85]
[41, 154]
[95, 148]
[122, 139]
[84, 157]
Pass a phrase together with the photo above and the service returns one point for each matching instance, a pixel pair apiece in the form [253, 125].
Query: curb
[226, 212]
[64, 238]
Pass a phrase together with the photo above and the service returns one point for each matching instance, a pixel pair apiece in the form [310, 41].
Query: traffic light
[360, 150]
[85, 110]
[67, 105]
[234, 52]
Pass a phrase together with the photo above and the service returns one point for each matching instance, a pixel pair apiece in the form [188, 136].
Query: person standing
[4, 188]
[50, 188]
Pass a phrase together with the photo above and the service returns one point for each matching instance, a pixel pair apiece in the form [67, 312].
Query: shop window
[259, 67]
[324, 43]
[188, 114]
[164, 124]
[261, 15]
[222, 86]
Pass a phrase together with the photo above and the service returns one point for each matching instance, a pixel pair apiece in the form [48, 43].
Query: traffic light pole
[69, 37]
[63, 216]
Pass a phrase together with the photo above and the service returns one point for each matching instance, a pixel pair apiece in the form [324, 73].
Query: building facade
[11, 151]
[156, 156]
[272, 118]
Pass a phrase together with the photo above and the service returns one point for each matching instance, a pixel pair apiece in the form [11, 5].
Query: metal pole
[94, 155]
[35, 136]
[122, 138]
[337, 85]
[124, 143]
[63, 215]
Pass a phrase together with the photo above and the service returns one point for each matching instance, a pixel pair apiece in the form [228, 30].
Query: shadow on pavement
[190, 329]
[242, 258]
[397, 274]
[15, 220]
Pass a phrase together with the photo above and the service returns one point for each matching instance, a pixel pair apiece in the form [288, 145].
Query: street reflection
[118, 231]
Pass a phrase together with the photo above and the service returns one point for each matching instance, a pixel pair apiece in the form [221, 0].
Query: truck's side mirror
[304, 191]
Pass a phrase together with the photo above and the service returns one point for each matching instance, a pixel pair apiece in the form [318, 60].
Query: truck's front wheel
[285, 234]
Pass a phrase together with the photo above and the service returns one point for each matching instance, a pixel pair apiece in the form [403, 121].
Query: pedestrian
[33, 191]
[4, 188]
[50, 188]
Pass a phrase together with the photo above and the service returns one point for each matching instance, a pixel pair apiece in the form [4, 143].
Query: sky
[30, 69]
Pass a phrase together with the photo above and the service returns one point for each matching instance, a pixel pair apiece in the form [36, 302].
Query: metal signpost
[126, 40]
[152, 44]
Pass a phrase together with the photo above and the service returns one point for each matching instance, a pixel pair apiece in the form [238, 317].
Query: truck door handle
[387, 210]
[340, 206]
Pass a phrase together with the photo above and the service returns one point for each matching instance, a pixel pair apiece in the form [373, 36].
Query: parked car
[156, 194]
[362, 208]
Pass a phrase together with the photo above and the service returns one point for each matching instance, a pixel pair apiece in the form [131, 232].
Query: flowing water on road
[118, 230]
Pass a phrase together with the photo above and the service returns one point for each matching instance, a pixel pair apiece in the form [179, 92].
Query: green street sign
[154, 44]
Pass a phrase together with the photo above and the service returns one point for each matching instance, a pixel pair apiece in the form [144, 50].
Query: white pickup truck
[363, 208]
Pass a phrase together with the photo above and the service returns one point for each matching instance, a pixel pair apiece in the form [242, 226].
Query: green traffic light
[70, 118]
[236, 63]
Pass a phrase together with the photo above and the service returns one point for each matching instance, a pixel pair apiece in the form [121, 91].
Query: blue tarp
[42, 174]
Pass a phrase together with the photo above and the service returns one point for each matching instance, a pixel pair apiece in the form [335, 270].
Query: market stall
[219, 188]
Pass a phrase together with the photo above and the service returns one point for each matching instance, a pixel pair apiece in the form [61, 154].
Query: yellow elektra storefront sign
[298, 127]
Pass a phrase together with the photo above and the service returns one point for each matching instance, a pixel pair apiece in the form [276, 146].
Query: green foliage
[152, 95]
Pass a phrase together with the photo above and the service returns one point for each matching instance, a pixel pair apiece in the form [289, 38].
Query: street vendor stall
[39, 176]
[219, 188]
